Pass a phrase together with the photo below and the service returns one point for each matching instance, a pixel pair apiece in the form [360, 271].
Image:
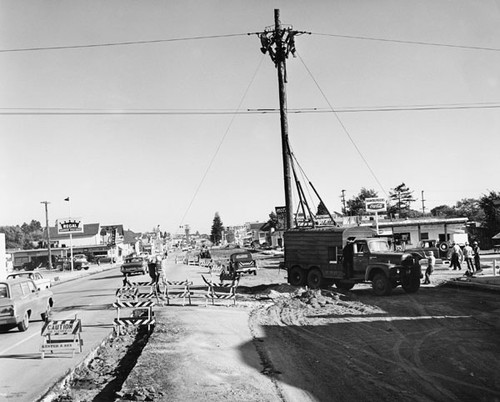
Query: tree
[471, 209]
[322, 209]
[356, 205]
[444, 211]
[403, 197]
[490, 204]
[217, 229]
[273, 220]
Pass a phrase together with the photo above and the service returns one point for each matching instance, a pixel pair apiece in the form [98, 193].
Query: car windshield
[3, 291]
[378, 246]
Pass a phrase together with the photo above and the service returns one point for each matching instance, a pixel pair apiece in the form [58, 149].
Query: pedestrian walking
[456, 256]
[431, 262]
[477, 259]
[468, 253]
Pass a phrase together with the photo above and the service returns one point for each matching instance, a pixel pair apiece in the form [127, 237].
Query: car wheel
[315, 278]
[46, 314]
[381, 285]
[25, 323]
[297, 276]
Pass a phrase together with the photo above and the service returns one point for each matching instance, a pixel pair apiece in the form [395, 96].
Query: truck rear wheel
[315, 278]
[297, 276]
[381, 285]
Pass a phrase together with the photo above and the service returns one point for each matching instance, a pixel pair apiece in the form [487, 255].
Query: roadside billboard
[281, 214]
[375, 204]
[69, 226]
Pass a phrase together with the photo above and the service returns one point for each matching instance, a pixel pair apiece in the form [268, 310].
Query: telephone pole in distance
[48, 231]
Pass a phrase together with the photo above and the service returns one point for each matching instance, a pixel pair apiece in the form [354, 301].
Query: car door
[361, 258]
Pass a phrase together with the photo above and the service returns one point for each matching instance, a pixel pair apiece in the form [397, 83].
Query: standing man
[456, 256]
[347, 258]
[477, 260]
[468, 257]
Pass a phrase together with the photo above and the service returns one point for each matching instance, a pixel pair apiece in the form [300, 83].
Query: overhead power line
[127, 43]
[152, 41]
[201, 112]
[410, 42]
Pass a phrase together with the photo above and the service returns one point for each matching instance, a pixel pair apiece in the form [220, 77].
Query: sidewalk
[485, 280]
[58, 277]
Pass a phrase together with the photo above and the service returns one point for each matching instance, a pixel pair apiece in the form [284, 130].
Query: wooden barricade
[221, 291]
[62, 336]
[141, 315]
[127, 293]
[177, 290]
[193, 260]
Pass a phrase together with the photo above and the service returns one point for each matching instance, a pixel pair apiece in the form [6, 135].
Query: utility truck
[314, 257]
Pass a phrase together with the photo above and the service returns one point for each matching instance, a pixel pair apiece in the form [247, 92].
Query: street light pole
[48, 231]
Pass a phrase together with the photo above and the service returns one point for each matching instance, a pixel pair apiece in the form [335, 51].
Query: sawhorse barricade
[177, 290]
[62, 336]
[180, 259]
[193, 260]
[141, 315]
[127, 293]
[221, 291]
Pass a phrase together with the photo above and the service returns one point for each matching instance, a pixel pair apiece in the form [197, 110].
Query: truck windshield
[377, 246]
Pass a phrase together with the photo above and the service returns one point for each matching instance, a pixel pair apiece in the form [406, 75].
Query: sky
[101, 124]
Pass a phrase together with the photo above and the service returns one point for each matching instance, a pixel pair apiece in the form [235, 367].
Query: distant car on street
[21, 302]
[134, 265]
[80, 259]
[37, 277]
[239, 263]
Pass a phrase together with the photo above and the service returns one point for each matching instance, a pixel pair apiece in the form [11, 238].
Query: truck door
[361, 258]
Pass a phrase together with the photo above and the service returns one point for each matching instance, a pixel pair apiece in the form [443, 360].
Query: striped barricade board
[221, 291]
[61, 336]
[178, 290]
[142, 314]
[127, 293]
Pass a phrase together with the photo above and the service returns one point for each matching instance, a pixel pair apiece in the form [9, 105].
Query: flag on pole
[66, 199]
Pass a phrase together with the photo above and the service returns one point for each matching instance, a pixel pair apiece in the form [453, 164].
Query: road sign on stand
[62, 336]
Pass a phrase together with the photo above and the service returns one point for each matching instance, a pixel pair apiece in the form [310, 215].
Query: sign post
[375, 205]
[69, 226]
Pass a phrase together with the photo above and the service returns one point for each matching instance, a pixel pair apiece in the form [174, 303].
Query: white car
[40, 282]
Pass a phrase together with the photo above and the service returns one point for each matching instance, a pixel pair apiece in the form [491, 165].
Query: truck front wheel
[381, 285]
[297, 276]
[314, 278]
[411, 283]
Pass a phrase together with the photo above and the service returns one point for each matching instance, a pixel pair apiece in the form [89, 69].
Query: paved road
[24, 375]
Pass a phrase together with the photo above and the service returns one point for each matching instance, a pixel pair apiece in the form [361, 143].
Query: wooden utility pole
[281, 60]
[279, 42]
[48, 231]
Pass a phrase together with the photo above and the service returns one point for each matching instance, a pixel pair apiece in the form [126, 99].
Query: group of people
[469, 254]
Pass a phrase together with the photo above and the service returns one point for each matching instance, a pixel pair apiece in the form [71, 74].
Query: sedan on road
[21, 302]
[37, 277]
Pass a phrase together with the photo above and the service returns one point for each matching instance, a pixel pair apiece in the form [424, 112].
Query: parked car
[80, 259]
[37, 277]
[134, 265]
[21, 302]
